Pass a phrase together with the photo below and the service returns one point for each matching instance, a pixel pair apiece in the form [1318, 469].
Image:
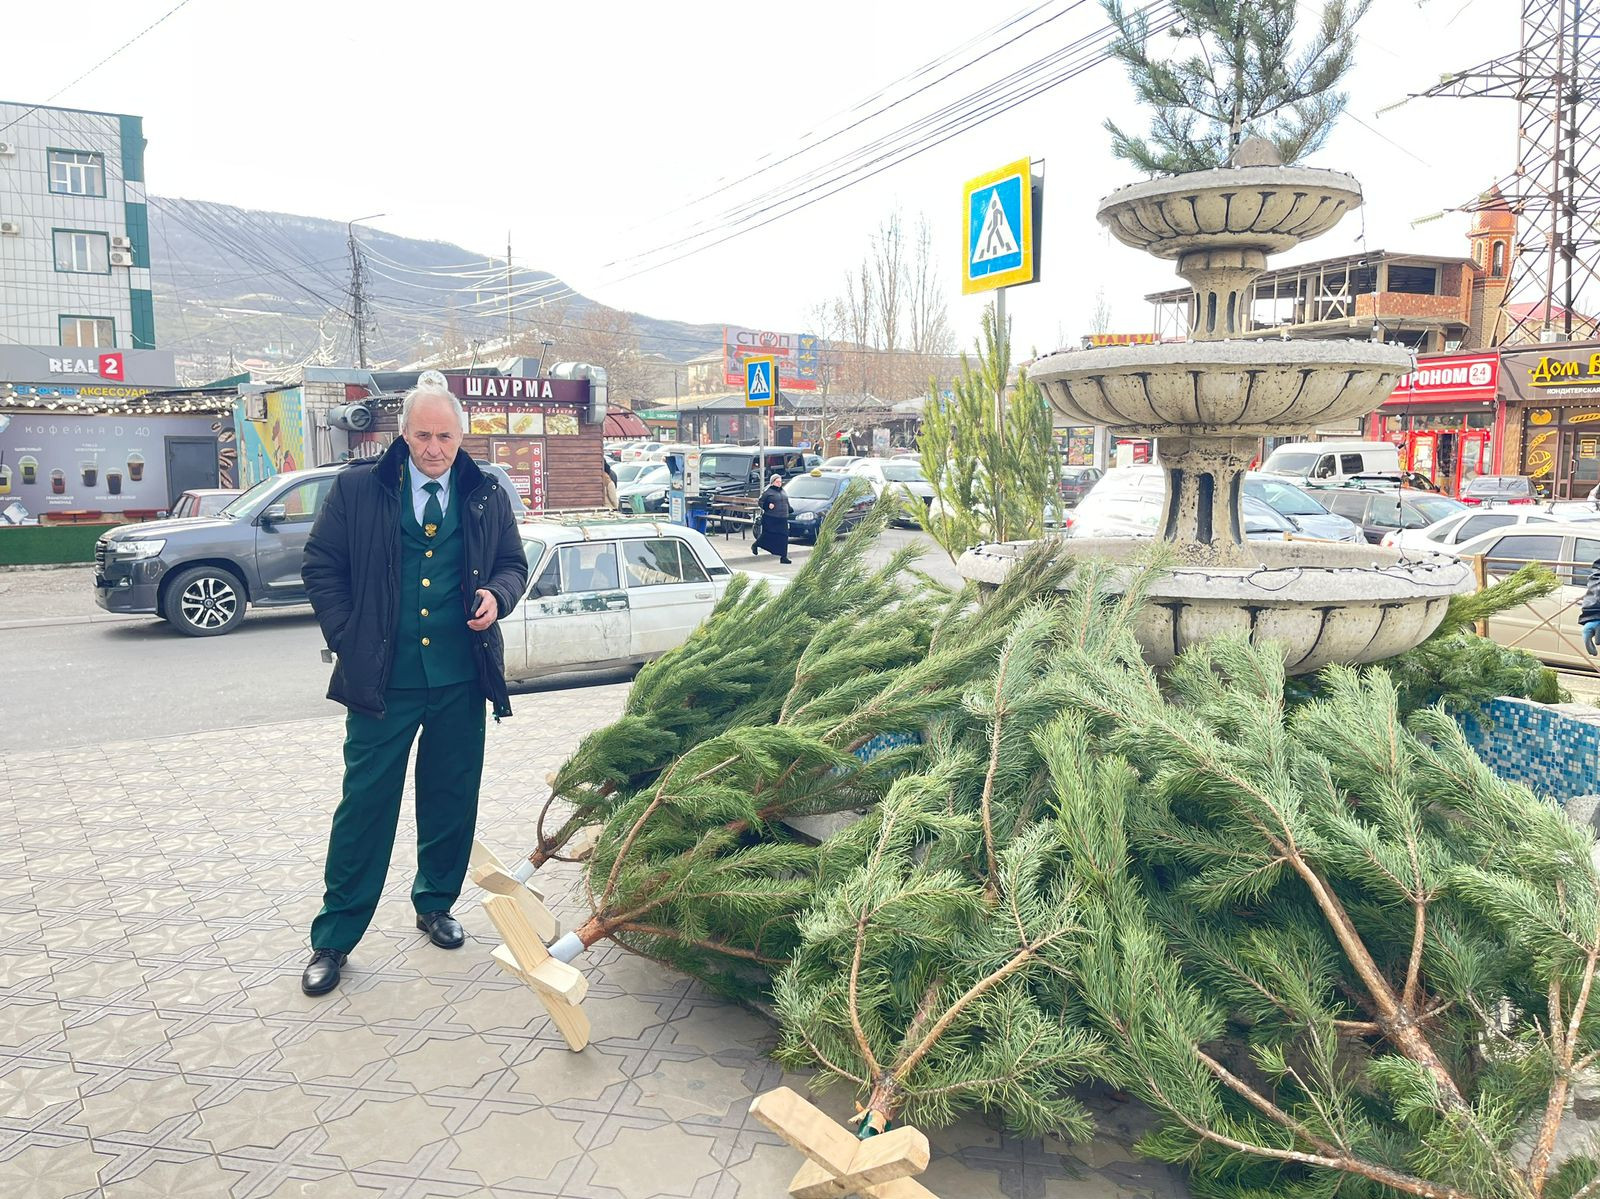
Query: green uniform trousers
[449, 769]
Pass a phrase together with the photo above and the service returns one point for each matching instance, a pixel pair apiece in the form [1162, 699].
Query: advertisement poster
[796, 356]
[523, 459]
[268, 447]
[76, 463]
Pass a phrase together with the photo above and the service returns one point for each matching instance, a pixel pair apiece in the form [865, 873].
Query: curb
[46, 622]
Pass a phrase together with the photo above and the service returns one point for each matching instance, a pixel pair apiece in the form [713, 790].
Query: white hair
[431, 385]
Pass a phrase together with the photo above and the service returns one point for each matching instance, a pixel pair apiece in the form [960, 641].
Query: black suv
[199, 574]
[744, 470]
[1381, 511]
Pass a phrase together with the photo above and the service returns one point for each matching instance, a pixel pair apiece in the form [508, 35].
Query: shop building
[1551, 399]
[74, 230]
[1446, 418]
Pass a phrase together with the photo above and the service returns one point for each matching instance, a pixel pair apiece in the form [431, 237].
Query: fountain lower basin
[1323, 602]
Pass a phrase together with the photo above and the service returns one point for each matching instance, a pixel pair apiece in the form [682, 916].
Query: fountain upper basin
[1270, 209]
[1221, 388]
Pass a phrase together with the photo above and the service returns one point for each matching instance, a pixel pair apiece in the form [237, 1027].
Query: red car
[1500, 489]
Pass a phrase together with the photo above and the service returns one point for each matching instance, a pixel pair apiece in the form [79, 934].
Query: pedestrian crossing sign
[760, 381]
[999, 226]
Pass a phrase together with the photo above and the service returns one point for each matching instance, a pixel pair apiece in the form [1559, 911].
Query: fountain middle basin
[1323, 602]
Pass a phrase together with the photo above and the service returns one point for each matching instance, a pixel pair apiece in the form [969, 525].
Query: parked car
[903, 478]
[627, 472]
[744, 470]
[1320, 461]
[1076, 481]
[639, 449]
[199, 574]
[1393, 478]
[812, 495]
[1547, 628]
[650, 484]
[841, 461]
[1447, 534]
[1129, 502]
[609, 594]
[1288, 500]
[1500, 489]
[1382, 511]
[206, 501]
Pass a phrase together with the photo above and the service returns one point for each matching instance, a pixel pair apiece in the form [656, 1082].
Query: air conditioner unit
[8, 148]
[122, 243]
[11, 228]
[121, 258]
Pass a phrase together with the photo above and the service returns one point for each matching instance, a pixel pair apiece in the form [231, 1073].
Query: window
[1585, 557]
[1474, 525]
[549, 583]
[591, 566]
[85, 331]
[83, 253]
[533, 551]
[1511, 553]
[77, 173]
[1385, 513]
[1350, 464]
[1497, 263]
[1351, 505]
[300, 503]
[659, 562]
[1324, 468]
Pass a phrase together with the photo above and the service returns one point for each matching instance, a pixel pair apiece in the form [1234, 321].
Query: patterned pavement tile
[153, 926]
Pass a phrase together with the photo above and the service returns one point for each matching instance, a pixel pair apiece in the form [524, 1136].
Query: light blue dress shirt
[419, 497]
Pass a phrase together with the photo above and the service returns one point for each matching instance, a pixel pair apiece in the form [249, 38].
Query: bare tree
[889, 273]
[1100, 318]
[857, 307]
[930, 317]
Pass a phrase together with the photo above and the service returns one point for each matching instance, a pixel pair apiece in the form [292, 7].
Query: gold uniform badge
[430, 530]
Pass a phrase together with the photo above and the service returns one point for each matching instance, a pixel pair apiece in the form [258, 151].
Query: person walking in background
[773, 521]
[1589, 611]
[412, 562]
[611, 485]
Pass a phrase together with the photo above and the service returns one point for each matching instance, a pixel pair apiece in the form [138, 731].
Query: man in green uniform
[412, 562]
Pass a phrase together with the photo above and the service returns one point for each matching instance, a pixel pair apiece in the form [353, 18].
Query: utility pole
[1554, 190]
[358, 288]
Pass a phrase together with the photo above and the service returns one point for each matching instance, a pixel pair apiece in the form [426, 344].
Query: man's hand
[1591, 636]
[488, 611]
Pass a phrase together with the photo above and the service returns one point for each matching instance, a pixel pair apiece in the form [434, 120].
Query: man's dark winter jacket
[1590, 608]
[352, 572]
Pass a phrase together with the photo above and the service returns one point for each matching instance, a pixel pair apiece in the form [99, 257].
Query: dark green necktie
[432, 513]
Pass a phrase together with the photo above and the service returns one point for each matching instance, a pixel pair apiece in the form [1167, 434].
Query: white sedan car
[903, 478]
[1547, 628]
[609, 593]
[1443, 536]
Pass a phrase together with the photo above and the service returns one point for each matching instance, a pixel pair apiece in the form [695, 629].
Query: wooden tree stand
[579, 849]
[490, 873]
[560, 987]
[879, 1167]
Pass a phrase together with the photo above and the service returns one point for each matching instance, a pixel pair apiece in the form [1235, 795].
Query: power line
[68, 87]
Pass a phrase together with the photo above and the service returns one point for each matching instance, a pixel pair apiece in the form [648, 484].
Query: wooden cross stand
[560, 987]
[878, 1168]
[490, 873]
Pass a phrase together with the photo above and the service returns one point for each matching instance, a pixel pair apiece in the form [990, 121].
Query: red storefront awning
[622, 423]
[1448, 379]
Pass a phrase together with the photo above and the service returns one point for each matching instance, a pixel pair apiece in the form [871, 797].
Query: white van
[1331, 461]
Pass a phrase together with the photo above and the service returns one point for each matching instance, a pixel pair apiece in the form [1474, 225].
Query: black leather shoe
[443, 929]
[322, 971]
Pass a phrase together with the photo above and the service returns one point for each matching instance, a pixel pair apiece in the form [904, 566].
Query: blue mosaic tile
[1552, 750]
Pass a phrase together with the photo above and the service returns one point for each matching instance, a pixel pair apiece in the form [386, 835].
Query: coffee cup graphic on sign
[29, 465]
[136, 466]
[91, 473]
[58, 482]
[114, 481]
[5, 479]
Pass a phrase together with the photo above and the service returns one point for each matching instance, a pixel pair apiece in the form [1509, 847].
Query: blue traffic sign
[760, 382]
[999, 229]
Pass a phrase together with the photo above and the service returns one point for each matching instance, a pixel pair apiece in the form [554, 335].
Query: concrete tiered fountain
[1208, 401]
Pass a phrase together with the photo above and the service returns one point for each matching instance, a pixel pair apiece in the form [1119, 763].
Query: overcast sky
[591, 130]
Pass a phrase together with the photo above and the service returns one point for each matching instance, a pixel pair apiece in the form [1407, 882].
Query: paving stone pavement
[154, 900]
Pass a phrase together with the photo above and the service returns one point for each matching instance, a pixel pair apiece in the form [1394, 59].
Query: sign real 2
[1001, 211]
